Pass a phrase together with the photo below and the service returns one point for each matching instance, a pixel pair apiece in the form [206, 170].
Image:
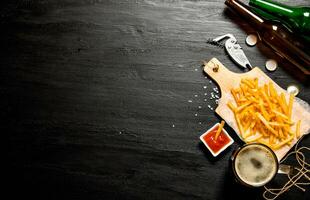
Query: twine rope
[295, 180]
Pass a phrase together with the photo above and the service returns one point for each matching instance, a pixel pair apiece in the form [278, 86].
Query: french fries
[219, 130]
[262, 115]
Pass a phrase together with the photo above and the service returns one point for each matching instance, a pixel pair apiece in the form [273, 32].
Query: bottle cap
[292, 89]
[271, 65]
[251, 40]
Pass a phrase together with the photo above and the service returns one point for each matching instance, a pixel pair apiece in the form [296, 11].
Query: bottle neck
[245, 12]
[272, 7]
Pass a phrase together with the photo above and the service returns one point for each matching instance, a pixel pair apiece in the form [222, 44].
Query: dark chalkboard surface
[105, 99]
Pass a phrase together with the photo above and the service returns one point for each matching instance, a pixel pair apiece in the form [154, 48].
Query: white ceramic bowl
[222, 148]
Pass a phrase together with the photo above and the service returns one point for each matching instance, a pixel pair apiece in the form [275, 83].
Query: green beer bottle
[297, 19]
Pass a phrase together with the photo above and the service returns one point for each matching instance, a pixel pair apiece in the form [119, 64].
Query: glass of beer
[254, 165]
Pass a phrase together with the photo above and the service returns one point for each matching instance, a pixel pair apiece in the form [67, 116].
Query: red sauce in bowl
[216, 145]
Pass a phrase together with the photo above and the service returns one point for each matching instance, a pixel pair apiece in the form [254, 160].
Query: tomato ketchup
[215, 145]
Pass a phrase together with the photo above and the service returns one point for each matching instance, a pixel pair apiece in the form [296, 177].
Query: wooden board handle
[225, 78]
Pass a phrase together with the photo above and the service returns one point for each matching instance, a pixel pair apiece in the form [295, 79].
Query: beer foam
[255, 165]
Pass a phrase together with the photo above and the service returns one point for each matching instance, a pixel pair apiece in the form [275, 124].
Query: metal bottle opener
[234, 50]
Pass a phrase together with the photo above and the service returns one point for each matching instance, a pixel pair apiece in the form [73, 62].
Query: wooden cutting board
[228, 80]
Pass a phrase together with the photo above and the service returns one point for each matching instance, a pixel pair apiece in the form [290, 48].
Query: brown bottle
[275, 36]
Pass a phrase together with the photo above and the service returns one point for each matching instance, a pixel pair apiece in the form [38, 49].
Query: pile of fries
[263, 115]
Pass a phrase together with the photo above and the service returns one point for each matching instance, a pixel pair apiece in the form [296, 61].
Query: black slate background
[94, 99]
